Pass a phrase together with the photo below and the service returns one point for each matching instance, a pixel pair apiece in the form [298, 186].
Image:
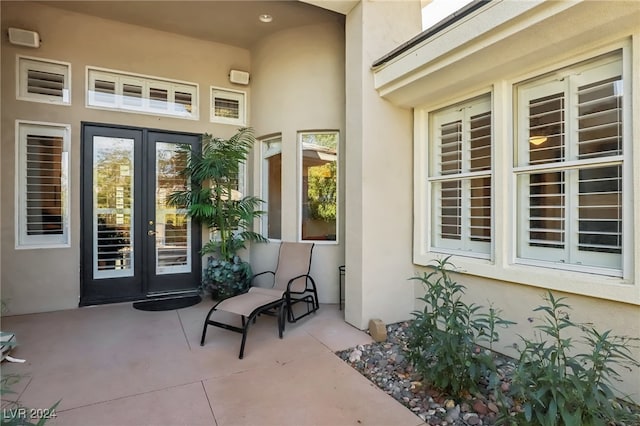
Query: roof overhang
[499, 39]
[340, 6]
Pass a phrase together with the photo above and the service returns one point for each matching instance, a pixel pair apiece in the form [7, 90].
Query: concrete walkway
[114, 365]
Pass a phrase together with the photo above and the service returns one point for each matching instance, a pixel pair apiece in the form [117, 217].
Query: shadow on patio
[113, 365]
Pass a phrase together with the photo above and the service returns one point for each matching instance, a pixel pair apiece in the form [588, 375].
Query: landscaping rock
[385, 363]
[377, 330]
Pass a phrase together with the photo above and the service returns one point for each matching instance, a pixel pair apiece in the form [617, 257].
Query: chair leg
[290, 316]
[281, 320]
[245, 329]
[206, 324]
[315, 298]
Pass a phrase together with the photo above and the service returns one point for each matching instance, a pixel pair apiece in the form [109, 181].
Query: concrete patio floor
[114, 365]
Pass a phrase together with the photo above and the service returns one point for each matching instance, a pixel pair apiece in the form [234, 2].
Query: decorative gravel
[387, 366]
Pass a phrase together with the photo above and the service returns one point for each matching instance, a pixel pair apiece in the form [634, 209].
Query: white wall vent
[239, 77]
[24, 37]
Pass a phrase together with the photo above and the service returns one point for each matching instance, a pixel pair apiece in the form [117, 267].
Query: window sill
[42, 246]
[581, 283]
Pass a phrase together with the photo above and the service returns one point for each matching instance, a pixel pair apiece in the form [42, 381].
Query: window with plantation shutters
[140, 94]
[228, 106]
[570, 166]
[42, 185]
[460, 178]
[42, 80]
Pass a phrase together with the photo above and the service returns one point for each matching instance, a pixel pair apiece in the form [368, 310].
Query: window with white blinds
[140, 94]
[228, 106]
[460, 178]
[43, 80]
[42, 186]
[570, 166]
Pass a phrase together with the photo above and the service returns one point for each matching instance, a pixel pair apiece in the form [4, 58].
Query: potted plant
[213, 200]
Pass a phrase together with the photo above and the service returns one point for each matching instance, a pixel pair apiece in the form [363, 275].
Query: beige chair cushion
[244, 304]
[294, 260]
[273, 292]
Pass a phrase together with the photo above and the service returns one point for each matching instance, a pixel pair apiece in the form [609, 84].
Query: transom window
[460, 178]
[570, 167]
[228, 106]
[140, 94]
[43, 80]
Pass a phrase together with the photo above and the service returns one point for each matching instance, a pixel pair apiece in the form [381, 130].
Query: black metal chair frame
[311, 300]
[277, 306]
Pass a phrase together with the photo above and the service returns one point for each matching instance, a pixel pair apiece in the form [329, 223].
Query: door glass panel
[173, 226]
[112, 207]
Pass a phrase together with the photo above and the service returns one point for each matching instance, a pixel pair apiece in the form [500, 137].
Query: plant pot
[226, 278]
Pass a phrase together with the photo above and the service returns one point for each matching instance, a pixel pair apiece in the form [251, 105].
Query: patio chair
[292, 284]
[291, 279]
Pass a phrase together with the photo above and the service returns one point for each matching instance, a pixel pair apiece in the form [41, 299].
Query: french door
[134, 245]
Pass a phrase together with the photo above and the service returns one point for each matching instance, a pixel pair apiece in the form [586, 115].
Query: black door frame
[92, 291]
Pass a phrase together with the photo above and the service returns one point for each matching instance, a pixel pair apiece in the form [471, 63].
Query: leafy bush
[226, 278]
[443, 345]
[555, 387]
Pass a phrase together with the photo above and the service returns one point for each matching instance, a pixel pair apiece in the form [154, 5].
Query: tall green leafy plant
[214, 201]
[445, 335]
[559, 383]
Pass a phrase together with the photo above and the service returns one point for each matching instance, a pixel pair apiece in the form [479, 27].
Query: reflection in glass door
[134, 246]
[113, 215]
[173, 226]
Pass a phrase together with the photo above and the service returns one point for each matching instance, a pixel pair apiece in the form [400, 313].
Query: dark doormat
[167, 304]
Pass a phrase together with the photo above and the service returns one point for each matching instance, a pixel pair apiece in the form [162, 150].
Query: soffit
[500, 42]
[234, 23]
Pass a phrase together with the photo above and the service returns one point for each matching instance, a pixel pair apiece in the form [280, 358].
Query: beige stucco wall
[437, 74]
[378, 170]
[298, 85]
[49, 279]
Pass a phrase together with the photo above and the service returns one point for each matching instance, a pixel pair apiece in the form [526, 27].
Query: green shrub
[443, 345]
[226, 278]
[555, 387]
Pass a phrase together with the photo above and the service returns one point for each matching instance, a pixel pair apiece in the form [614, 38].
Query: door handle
[150, 232]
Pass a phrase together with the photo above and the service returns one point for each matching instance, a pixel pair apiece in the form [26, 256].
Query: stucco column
[379, 177]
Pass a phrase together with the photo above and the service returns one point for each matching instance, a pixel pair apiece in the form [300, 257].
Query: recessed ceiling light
[265, 17]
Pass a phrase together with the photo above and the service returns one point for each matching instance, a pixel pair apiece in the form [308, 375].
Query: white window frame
[299, 183]
[504, 266]
[23, 63]
[22, 240]
[265, 153]
[566, 81]
[146, 82]
[236, 95]
[463, 111]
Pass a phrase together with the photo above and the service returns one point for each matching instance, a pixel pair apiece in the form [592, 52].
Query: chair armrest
[306, 276]
[261, 273]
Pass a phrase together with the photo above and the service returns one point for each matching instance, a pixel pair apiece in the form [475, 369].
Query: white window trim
[503, 265]
[66, 96]
[22, 241]
[264, 182]
[439, 245]
[238, 95]
[146, 80]
[299, 185]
